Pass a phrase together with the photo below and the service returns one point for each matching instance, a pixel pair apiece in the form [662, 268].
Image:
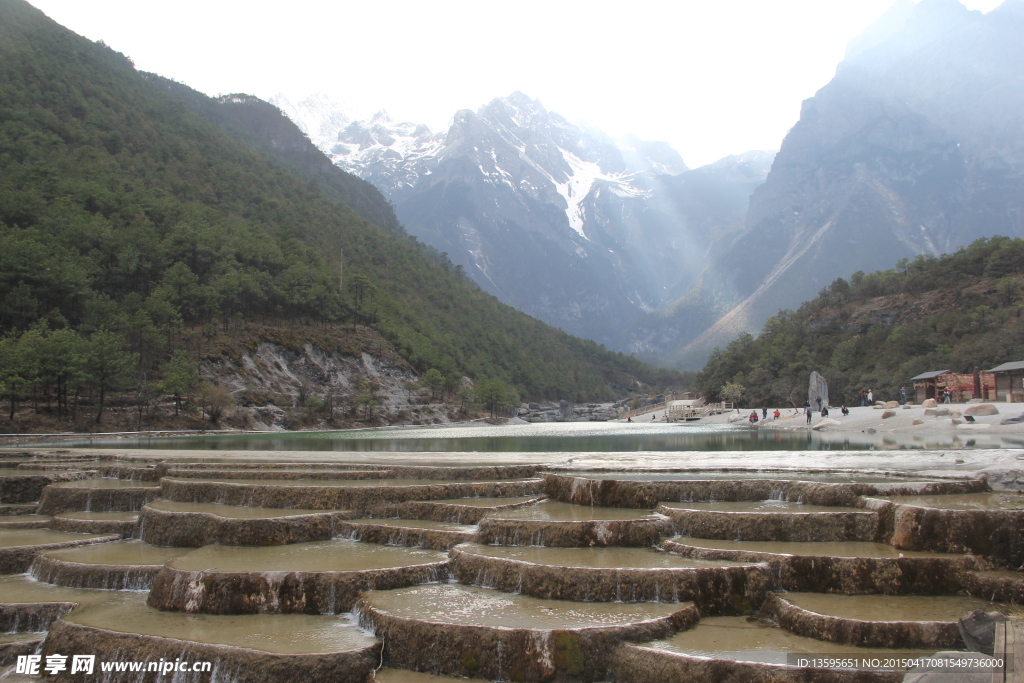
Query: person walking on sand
[863, 397]
[871, 397]
[807, 412]
[903, 396]
[764, 413]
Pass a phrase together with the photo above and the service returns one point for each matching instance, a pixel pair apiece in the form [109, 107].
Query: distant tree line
[972, 303]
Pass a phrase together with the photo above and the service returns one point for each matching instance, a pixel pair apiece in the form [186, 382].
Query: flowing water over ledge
[749, 640]
[228, 511]
[756, 506]
[338, 555]
[427, 524]
[555, 511]
[485, 502]
[469, 606]
[99, 516]
[106, 483]
[644, 558]
[812, 548]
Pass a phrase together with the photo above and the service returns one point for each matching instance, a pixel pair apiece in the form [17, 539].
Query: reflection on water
[549, 437]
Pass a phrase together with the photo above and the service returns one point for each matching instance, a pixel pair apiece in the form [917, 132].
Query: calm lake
[561, 437]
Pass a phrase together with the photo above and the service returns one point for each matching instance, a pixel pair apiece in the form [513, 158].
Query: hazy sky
[714, 77]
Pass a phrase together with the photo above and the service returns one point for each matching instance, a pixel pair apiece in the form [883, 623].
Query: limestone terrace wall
[583, 654]
[57, 499]
[213, 592]
[775, 526]
[356, 498]
[714, 590]
[574, 534]
[195, 529]
[850, 575]
[912, 635]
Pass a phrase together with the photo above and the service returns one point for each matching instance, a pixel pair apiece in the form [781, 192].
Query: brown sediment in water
[122, 565]
[458, 510]
[717, 589]
[416, 533]
[775, 526]
[311, 578]
[198, 524]
[19, 547]
[555, 511]
[358, 498]
[253, 648]
[389, 675]
[889, 621]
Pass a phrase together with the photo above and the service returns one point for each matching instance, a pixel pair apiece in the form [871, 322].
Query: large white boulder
[827, 422]
[929, 403]
[981, 409]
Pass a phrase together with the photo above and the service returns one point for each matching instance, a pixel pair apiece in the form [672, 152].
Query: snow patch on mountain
[319, 116]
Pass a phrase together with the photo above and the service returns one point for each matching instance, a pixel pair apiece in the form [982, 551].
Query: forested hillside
[878, 330]
[135, 211]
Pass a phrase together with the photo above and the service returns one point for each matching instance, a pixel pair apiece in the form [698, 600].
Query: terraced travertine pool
[341, 608]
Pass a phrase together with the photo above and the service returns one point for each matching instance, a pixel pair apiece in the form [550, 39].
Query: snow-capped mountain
[319, 116]
[558, 220]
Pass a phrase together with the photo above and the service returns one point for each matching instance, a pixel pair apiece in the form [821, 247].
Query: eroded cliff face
[915, 147]
[308, 377]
